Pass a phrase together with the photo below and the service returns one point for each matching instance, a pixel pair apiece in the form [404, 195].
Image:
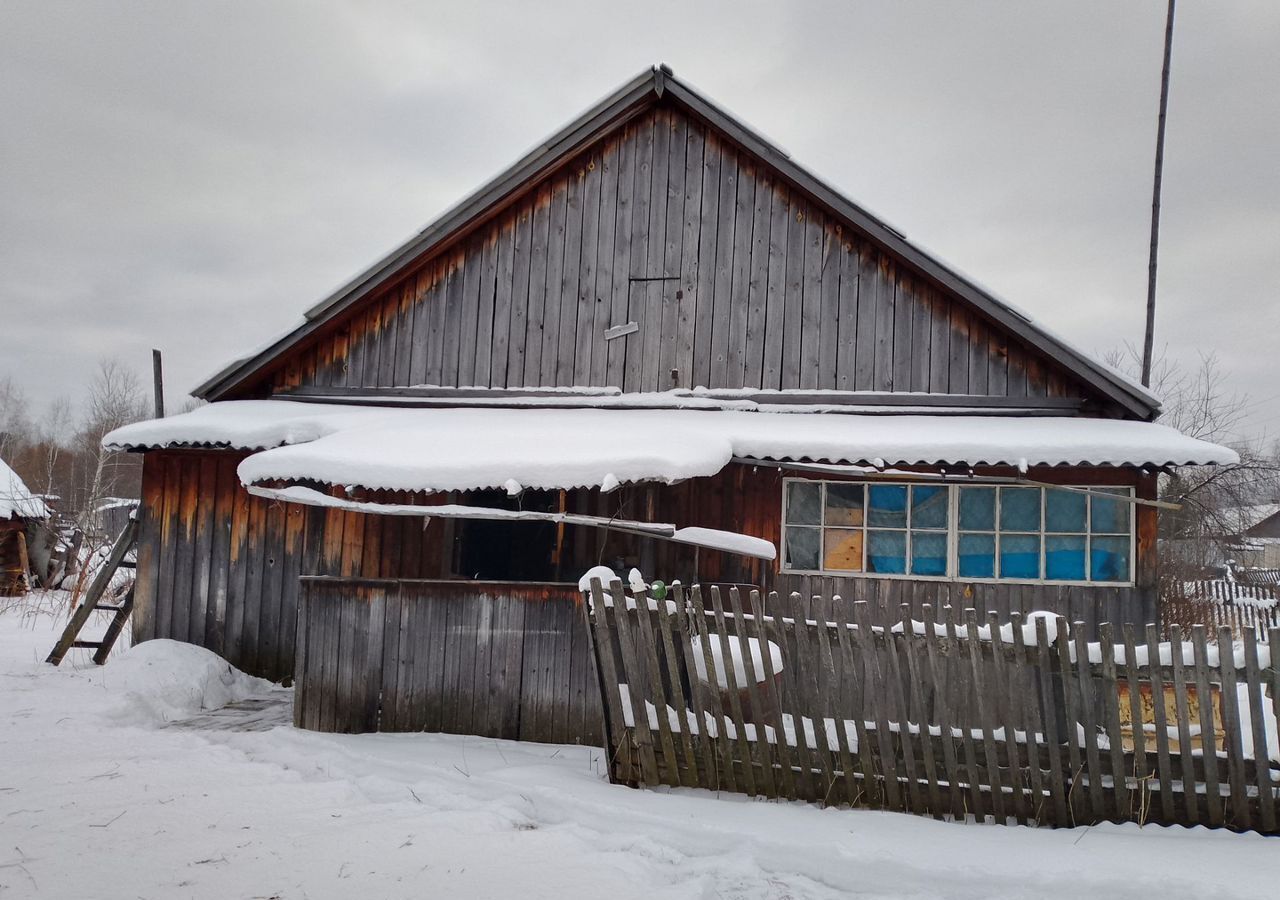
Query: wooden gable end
[666, 256]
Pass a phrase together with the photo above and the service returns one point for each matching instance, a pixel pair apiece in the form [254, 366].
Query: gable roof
[659, 85]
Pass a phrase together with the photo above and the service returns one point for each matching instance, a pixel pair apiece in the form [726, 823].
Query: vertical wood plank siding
[516, 664]
[220, 568]
[734, 278]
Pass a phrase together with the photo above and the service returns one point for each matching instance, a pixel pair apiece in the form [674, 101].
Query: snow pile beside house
[160, 681]
[16, 501]
[442, 449]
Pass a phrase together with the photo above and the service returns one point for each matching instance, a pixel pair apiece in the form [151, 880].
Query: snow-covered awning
[465, 448]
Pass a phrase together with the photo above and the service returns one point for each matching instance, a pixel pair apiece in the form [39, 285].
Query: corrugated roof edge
[658, 82]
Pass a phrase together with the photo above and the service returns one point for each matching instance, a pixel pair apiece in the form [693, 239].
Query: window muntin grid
[971, 532]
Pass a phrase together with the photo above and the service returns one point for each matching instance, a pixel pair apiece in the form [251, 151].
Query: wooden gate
[953, 717]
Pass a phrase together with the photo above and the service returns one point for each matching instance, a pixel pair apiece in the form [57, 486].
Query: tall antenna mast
[1149, 340]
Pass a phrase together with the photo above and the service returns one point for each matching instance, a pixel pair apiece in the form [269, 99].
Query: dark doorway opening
[509, 551]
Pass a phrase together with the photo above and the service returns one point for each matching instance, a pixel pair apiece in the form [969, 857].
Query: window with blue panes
[844, 528]
[967, 532]
[1044, 534]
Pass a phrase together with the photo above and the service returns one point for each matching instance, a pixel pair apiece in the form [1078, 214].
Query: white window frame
[953, 533]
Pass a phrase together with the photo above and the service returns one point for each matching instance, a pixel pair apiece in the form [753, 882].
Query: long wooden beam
[886, 401]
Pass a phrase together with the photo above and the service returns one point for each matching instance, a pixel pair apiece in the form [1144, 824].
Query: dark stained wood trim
[594, 397]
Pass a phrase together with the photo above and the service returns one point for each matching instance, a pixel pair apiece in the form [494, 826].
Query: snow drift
[161, 680]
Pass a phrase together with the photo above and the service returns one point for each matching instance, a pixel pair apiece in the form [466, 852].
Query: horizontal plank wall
[500, 660]
[732, 278]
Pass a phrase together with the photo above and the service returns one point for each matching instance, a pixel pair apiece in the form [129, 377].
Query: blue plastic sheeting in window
[1110, 516]
[928, 553]
[887, 551]
[929, 506]
[887, 506]
[977, 556]
[1020, 555]
[1020, 509]
[1064, 557]
[1109, 559]
[977, 509]
[1064, 511]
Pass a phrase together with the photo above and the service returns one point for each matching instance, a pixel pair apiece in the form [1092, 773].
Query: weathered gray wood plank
[811, 327]
[539, 282]
[622, 249]
[553, 301]
[776, 290]
[756, 295]
[586, 333]
[606, 255]
[739, 310]
[723, 302]
[690, 234]
[793, 323]
[705, 293]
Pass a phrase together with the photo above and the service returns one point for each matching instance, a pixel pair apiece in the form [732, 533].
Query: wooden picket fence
[944, 718]
[1242, 608]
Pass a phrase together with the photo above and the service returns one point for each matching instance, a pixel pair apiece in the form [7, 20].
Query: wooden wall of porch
[220, 568]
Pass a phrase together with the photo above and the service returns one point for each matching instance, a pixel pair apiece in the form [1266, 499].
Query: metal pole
[157, 373]
[1149, 340]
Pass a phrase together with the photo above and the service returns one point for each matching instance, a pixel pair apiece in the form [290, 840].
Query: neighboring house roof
[16, 502]
[402, 449]
[655, 86]
[1238, 520]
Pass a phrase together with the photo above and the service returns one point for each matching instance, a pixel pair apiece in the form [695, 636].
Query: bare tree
[115, 398]
[1197, 402]
[15, 422]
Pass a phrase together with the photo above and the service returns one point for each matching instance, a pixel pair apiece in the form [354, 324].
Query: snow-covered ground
[102, 796]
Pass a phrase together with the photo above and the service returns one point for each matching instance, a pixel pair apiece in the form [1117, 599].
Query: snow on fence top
[440, 449]
[16, 502]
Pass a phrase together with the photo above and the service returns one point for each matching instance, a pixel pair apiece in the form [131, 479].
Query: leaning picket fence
[952, 716]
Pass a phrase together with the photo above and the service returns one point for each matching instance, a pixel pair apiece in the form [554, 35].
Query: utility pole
[157, 375]
[1149, 341]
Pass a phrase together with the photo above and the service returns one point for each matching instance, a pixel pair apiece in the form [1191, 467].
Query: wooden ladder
[92, 601]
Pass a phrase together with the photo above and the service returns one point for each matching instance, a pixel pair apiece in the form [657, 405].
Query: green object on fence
[658, 590]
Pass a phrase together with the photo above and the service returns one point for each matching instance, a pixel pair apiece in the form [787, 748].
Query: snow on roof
[16, 502]
[1239, 519]
[466, 448]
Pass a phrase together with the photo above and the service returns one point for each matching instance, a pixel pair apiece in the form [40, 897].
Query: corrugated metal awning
[464, 448]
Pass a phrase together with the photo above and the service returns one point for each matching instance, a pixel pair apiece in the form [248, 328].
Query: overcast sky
[193, 176]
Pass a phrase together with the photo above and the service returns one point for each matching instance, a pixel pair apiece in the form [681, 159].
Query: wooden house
[655, 341]
[20, 510]
[1250, 538]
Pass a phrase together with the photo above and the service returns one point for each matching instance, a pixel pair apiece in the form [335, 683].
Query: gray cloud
[193, 176]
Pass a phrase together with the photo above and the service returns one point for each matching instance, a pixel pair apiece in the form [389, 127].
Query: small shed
[19, 511]
[656, 341]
